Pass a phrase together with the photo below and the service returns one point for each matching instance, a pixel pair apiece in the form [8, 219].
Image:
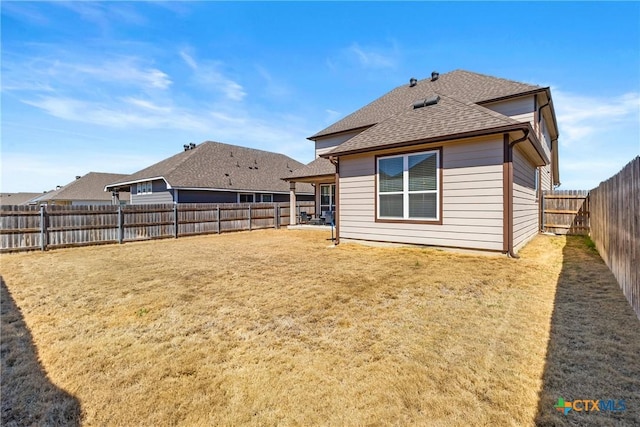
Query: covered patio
[321, 173]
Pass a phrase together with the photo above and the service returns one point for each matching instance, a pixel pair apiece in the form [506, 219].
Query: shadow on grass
[28, 397]
[594, 345]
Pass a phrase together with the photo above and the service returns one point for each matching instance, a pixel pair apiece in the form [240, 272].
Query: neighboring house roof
[449, 117]
[460, 84]
[214, 165]
[17, 198]
[88, 187]
[318, 167]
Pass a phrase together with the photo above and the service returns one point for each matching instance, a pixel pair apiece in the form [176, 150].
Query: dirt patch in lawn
[273, 327]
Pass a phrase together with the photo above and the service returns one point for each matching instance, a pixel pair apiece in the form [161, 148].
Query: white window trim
[405, 187]
[145, 187]
[332, 201]
[266, 194]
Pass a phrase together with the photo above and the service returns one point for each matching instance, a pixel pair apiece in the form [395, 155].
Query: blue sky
[118, 86]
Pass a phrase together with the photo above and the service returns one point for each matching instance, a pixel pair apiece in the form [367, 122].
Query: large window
[408, 186]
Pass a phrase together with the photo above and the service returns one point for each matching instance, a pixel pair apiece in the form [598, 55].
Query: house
[454, 160]
[213, 172]
[17, 198]
[84, 190]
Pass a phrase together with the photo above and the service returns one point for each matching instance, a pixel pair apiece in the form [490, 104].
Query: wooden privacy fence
[566, 211]
[24, 228]
[615, 228]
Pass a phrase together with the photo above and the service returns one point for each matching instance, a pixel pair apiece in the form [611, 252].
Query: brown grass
[274, 328]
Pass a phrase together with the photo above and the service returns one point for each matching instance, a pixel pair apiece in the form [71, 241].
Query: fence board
[566, 211]
[29, 228]
[615, 228]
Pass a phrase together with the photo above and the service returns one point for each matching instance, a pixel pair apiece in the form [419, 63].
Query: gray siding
[472, 200]
[159, 194]
[196, 196]
[153, 198]
[525, 204]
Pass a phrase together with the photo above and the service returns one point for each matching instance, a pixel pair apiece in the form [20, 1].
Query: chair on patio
[304, 218]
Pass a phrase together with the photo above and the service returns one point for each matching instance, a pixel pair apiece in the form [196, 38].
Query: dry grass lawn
[274, 327]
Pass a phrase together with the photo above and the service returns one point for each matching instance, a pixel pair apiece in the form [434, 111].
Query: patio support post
[293, 214]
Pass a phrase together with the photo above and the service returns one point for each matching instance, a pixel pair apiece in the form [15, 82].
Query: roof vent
[186, 147]
[78, 177]
[426, 102]
[192, 146]
[434, 76]
[413, 81]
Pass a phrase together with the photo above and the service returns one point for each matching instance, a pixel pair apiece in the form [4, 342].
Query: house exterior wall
[472, 199]
[159, 194]
[326, 144]
[199, 196]
[521, 109]
[525, 200]
[545, 171]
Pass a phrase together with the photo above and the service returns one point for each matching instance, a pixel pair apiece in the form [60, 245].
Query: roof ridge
[493, 77]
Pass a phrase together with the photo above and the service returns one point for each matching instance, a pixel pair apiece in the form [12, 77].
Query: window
[144, 187]
[245, 198]
[266, 198]
[327, 197]
[536, 182]
[408, 186]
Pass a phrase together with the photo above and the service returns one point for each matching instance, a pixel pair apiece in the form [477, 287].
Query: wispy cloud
[25, 12]
[132, 113]
[103, 14]
[56, 73]
[370, 57]
[598, 136]
[208, 76]
[188, 59]
[580, 117]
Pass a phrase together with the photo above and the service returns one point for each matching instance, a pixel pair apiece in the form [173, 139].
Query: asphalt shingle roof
[17, 198]
[318, 167]
[88, 187]
[460, 84]
[223, 166]
[448, 117]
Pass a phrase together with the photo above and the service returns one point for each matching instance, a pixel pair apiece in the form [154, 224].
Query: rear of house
[455, 161]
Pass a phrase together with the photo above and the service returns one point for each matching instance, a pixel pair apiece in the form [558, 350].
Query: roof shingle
[318, 167]
[448, 117]
[460, 84]
[225, 167]
[88, 187]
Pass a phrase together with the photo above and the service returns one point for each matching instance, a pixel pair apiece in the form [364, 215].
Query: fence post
[249, 217]
[175, 220]
[218, 212]
[43, 228]
[276, 225]
[120, 225]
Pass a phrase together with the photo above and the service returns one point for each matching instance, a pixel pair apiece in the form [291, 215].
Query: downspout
[508, 161]
[540, 110]
[336, 215]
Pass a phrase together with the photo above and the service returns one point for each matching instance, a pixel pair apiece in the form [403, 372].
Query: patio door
[327, 197]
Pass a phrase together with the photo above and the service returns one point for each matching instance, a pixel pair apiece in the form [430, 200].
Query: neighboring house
[213, 172]
[85, 190]
[17, 198]
[457, 160]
